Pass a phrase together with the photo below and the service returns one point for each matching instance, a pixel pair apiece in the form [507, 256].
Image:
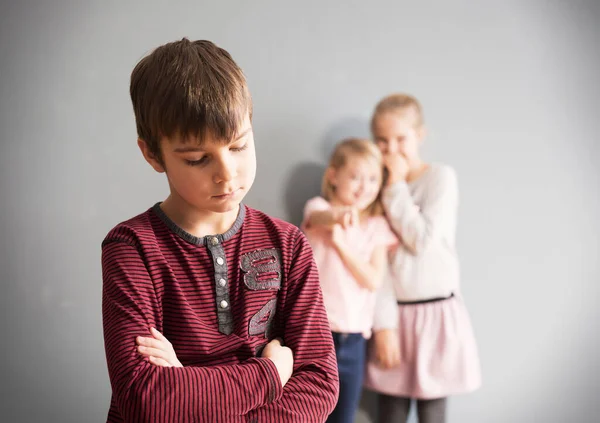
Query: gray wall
[511, 97]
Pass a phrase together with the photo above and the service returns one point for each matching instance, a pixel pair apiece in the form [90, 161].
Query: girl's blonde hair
[353, 147]
[398, 103]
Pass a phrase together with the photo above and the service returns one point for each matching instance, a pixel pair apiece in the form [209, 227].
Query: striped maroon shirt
[218, 300]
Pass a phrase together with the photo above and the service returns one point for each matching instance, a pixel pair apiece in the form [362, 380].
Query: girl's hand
[387, 349]
[337, 235]
[158, 349]
[347, 217]
[397, 167]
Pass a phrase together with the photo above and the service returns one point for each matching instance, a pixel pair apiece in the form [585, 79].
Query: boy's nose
[226, 171]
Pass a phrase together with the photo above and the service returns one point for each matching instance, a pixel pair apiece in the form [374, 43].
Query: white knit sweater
[423, 213]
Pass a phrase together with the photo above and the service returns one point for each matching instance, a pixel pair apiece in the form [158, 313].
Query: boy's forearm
[145, 392]
[197, 392]
[309, 396]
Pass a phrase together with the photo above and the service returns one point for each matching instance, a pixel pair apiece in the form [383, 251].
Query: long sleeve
[147, 393]
[386, 306]
[420, 226]
[311, 393]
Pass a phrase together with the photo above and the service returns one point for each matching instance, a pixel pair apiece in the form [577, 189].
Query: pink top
[349, 306]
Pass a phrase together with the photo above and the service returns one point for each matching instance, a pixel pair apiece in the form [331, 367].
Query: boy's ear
[150, 158]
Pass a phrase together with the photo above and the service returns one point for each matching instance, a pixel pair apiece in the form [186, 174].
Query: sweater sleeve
[419, 226]
[386, 306]
[147, 393]
[311, 393]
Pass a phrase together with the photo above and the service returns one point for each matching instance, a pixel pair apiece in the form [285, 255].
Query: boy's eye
[242, 148]
[196, 162]
[204, 159]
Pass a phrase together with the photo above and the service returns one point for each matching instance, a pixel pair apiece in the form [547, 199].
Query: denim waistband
[346, 337]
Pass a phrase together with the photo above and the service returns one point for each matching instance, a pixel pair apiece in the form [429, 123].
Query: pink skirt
[438, 353]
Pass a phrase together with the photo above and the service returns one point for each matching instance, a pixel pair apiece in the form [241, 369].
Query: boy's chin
[226, 207]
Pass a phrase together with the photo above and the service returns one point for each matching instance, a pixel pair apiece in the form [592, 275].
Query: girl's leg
[432, 411]
[392, 409]
[350, 353]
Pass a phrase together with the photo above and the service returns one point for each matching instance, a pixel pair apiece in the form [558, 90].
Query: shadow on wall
[304, 180]
[303, 184]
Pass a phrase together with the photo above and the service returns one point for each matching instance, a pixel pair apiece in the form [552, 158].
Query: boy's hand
[397, 167]
[282, 357]
[158, 349]
[387, 349]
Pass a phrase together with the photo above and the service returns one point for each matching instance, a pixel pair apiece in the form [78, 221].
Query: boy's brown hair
[188, 88]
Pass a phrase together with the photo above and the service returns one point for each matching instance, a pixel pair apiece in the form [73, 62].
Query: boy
[216, 278]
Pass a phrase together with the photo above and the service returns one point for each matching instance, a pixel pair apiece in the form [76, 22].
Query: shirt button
[223, 304]
[214, 240]
[220, 261]
[222, 282]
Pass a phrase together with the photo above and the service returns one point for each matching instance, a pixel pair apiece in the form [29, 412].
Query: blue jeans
[350, 351]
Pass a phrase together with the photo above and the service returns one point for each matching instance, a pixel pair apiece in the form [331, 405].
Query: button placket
[223, 305]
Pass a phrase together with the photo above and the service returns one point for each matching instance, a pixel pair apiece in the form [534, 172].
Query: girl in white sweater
[433, 353]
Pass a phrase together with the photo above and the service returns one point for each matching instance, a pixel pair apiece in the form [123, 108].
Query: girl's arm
[326, 219]
[385, 325]
[368, 274]
[418, 227]
[319, 219]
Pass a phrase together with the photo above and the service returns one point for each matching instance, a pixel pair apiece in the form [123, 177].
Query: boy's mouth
[227, 194]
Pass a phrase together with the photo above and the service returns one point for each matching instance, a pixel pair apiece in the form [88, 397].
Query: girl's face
[397, 133]
[357, 183]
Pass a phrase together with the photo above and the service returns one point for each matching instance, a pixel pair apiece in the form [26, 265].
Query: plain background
[511, 97]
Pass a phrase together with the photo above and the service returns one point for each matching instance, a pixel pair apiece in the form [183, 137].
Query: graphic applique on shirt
[262, 271]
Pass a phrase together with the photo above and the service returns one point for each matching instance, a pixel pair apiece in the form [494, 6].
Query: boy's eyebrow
[196, 148]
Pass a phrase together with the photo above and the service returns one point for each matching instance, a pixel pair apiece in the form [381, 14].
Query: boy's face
[396, 133]
[211, 176]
